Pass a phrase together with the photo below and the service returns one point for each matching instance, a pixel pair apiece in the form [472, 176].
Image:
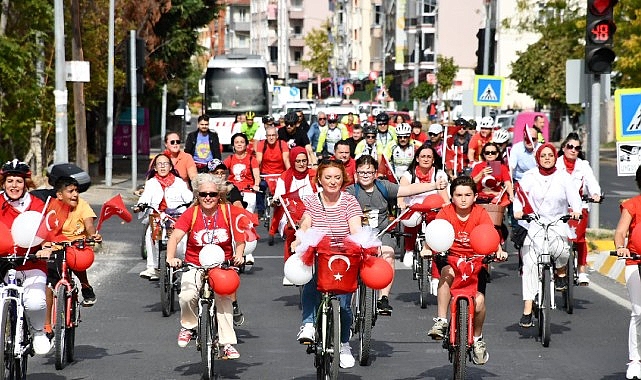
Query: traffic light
[480, 52]
[599, 33]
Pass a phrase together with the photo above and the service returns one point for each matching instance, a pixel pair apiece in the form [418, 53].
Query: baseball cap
[435, 128]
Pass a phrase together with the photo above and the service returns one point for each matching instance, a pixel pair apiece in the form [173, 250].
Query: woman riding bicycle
[546, 192]
[164, 190]
[337, 214]
[243, 170]
[584, 179]
[209, 221]
[15, 177]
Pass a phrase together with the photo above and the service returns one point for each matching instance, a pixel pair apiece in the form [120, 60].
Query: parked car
[340, 111]
[299, 106]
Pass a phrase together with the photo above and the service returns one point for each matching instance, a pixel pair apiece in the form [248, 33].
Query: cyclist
[502, 138]
[209, 221]
[417, 132]
[330, 135]
[244, 172]
[479, 140]
[374, 197]
[386, 134]
[164, 189]
[370, 145]
[202, 144]
[402, 153]
[249, 128]
[294, 136]
[463, 214]
[546, 192]
[182, 161]
[583, 177]
[357, 136]
[15, 177]
[260, 135]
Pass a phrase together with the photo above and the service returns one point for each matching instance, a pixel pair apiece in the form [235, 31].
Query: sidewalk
[601, 261]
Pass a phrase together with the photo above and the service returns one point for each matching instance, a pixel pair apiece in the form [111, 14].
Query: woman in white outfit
[164, 191]
[546, 192]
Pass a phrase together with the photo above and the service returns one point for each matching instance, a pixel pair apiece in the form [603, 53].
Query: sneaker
[239, 319]
[437, 332]
[408, 259]
[41, 344]
[88, 296]
[184, 336]
[346, 357]
[383, 307]
[249, 259]
[155, 276]
[270, 242]
[526, 320]
[307, 334]
[634, 370]
[560, 283]
[583, 280]
[229, 352]
[479, 352]
[147, 273]
[286, 282]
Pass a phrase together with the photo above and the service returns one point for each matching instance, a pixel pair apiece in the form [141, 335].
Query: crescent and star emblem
[51, 212]
[464, 276]
[338, 276]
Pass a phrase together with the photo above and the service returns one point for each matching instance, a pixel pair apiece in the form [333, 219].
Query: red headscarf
[292, 173]
[542, 170]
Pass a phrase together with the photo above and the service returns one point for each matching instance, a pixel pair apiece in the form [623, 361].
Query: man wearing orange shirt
[183, 162]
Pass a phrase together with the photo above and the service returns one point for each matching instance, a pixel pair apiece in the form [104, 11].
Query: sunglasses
[573, 147]
[174, 142]
[371, 136]
[210, 194]
[490, 152]
[322, 118]
[431, 134]
[403, 137]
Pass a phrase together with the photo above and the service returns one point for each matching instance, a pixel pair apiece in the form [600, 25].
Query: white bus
[235, 84]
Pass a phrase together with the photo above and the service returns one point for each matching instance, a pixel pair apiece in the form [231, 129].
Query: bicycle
[364, 319]
[544, 300]
[66, 305]
[269, 197]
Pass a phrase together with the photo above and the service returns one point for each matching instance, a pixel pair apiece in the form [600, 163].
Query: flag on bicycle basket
[114, 206]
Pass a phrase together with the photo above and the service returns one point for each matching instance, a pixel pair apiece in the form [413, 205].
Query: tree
[445, 75]
[422, 92]
[627, 43]
[319, 50]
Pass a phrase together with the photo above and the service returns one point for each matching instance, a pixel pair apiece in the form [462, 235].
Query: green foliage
[446, 73]
[422, 92]
[320, 51]
[627, 43]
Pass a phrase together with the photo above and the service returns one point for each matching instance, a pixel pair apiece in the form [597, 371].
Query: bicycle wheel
[546, 305]
[165, 283]
[7, 340]
[71, 331]
[207, 343]
[143, 245]
[365, 323]
[460, 344]
[269, 210]
[22, 361]
[334, 339]
[568, 293]
[425, 280]
[60, 327]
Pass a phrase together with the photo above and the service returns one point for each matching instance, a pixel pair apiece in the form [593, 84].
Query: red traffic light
[600, 7]
[601, 31]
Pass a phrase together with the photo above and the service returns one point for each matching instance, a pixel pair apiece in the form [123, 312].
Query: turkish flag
[54, 218]
[388, 171]
[294, 205]
[524, 199]
[244, 223]
[114, 206]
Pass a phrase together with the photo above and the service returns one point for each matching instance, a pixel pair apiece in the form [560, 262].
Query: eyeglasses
[205, 194]
[304, 161]
[174, 142]
[365, 174]
[322, 118]
[162, 164]
[371, 136]
[490, 152]
[573, 147]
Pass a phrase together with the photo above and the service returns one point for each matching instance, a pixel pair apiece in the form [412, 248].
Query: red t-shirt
[633, 205]
[477, 142]
[463, 229]
[7, 215]
[240, 170]
[501, 178]
[217, 232]
[272, 162]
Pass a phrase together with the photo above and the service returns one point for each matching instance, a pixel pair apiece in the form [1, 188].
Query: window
[242, 15]
[296, 3]
[273, 54]
[298, 56]
[298, 30]
[378, 15]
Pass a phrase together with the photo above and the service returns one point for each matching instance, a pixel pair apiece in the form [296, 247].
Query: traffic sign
[348, 89]
[488, 90]
[627, 110]
[294, 91]
[373, 75]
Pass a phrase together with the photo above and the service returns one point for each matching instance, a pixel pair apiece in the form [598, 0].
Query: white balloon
[24, 229]
[413, 220]
[250, 247]
[439, 235]
[211, 254]
[296, 271]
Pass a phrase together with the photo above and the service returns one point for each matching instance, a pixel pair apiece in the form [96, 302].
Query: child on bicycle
[463, 214]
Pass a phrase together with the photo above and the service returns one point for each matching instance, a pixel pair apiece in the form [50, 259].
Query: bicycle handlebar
[535, 218]
[224, 265]
[588, 198]
[633, 256]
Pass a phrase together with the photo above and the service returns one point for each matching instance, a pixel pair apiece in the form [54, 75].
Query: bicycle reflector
[79, 259]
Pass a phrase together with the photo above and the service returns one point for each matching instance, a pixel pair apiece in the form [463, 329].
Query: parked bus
[235, 84]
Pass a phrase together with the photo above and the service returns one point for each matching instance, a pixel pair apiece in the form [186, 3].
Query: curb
[601, 261]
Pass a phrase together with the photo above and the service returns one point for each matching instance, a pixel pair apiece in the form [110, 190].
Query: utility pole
[486, 44]
[134, 109]
[383, 46]
[60, 93]
[416, 55]
[79, 91]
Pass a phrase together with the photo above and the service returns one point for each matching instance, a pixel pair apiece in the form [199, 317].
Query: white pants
[34, 282]
[633, 283]
[152, 249]
[530, 278]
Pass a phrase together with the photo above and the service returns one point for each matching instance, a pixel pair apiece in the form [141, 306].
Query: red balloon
[79, 259]
[433, 201]
[376, 273]
[224, 281]
[6, 242]
[484, 239]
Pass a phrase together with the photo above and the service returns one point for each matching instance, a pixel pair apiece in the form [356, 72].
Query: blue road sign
[294, 91]
[488, 90]
[627, 109]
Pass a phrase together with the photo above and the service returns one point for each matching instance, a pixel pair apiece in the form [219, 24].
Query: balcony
[297, 40]
[273, 68]
[239, 26]
[377, 31]
[296, 14]
[295, 67]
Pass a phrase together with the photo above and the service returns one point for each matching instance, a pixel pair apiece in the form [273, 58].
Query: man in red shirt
[342, 153]
[478, 141]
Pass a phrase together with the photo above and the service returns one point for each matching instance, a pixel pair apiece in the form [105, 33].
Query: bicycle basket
[557, 245]
[337, 270]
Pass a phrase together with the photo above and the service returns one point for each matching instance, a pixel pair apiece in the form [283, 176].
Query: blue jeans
[260, 197]
[311, 301]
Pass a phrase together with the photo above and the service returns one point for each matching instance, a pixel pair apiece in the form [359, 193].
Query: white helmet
[487, 122]
[403, 129]
[500, 136]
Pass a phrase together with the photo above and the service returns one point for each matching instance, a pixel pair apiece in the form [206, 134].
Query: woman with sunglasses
[587, 184]
[208, 222]
[183, 162]
[492, 177]
[164, 189]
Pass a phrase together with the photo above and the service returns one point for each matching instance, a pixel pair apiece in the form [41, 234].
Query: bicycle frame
[14, 291]
[66, 281]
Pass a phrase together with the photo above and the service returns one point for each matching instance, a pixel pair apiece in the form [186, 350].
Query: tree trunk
[78, 92]
[4, 9]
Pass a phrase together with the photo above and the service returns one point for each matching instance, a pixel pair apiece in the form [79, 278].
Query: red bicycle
[460, 335]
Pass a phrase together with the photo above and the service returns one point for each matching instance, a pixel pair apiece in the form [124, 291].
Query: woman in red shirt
[243, 170]
[491, 176]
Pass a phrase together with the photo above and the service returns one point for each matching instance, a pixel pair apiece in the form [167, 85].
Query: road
[125, 336]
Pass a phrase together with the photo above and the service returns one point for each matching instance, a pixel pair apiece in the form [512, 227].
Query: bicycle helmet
[370, 130]
[16, 168]
[487, 122]
[291, 118]
[249, 115]
[460, 122]
[500, 136]
[382, 118]
[403, 129]
[332, 118]
[472, 123]
[267, 119]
